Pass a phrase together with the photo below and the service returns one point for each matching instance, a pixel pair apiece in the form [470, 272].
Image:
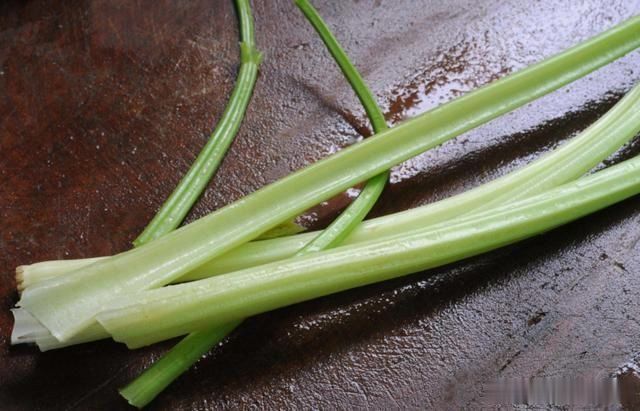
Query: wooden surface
[103, 106]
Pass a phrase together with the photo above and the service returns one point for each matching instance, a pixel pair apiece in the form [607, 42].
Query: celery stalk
[353, 215]
[564, 164]
[65, 305]
[162, 373]
[144, 317]
[620, 124]
[186, 193]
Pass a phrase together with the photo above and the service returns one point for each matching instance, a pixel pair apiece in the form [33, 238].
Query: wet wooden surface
[103, 105]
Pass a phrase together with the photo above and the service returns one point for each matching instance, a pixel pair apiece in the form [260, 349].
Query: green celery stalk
[65, 305]
[186, 193]
[148, 316]
[564, 164]
[176, 361]
[353, 215]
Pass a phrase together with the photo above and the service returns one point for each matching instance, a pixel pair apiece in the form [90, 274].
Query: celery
[349, 219]
[162, 373]
[186, 193]
[562, 165]
[65, 305]
[144, 317]
[565, 163]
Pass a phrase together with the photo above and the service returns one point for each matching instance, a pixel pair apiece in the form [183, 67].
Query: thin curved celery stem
[174, 363]
[157, 377]
[180, 358]
[351, 217]
[65, 305]
[187, 192]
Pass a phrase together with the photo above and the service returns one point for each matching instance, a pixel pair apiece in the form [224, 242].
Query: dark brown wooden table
[103, 106]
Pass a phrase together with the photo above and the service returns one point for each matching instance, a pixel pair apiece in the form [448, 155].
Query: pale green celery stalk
[65, 305]
[605, 136]
[617, 126]
[146, 316]
[583, 152]
[156, 378]
[564, 164]
[176, 207]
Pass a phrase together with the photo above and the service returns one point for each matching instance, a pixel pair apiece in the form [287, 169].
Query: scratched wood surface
[103, 106]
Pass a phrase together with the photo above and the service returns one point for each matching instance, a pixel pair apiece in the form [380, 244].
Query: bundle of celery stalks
[203, 279]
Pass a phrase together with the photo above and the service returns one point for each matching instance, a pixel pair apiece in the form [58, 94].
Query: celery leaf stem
[187, 192]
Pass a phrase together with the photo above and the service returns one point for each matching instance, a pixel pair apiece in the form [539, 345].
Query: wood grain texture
[104, 104]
